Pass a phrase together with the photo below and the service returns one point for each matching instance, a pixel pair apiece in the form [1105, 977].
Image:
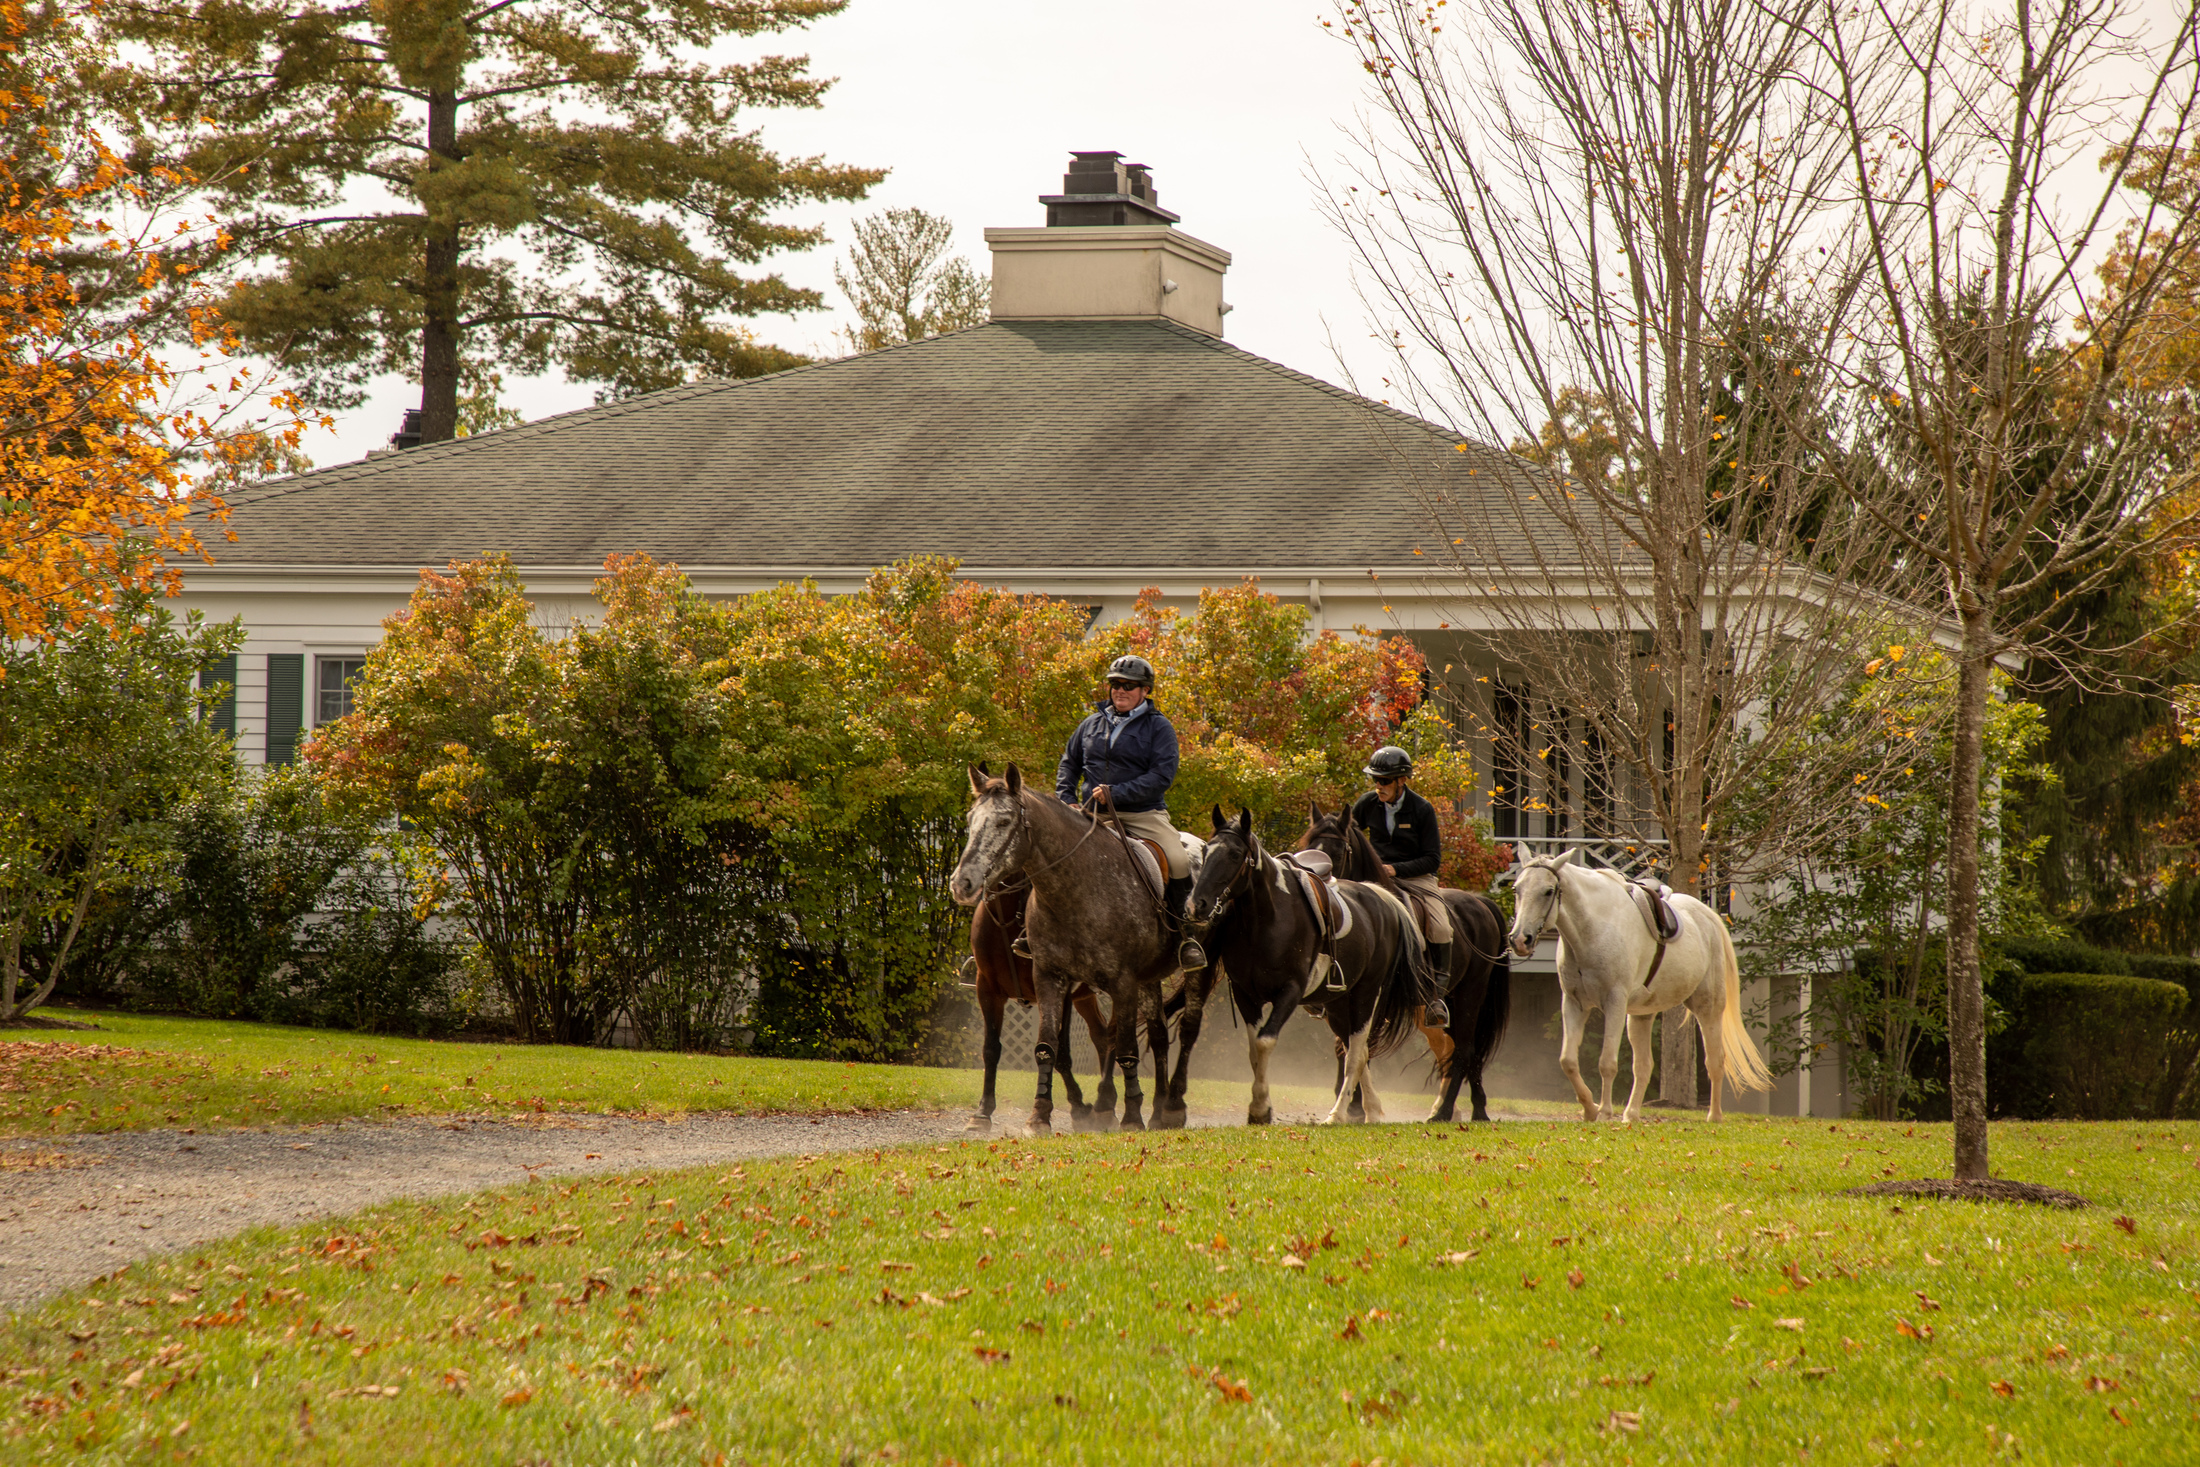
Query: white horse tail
[1745, 1068]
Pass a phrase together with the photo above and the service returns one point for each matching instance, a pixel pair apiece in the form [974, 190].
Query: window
[1507, 741]
[334, 688]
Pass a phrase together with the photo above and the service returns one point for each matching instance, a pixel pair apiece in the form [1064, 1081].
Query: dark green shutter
[286, 704]
[222, 670]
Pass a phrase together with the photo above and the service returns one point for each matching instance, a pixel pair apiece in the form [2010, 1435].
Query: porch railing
[1628, 857]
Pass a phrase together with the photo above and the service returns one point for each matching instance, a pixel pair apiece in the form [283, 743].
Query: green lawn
[1516, 1293]
[208, 1073]
[137, 1071]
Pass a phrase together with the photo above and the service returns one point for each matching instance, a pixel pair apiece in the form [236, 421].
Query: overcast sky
[975, 107]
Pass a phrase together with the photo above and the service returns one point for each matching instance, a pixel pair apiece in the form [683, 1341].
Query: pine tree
[452, 187]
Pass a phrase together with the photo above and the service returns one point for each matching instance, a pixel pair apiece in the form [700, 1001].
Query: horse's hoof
[1087, 1122]
[1260, 1117]
[979, 1126]
[1039, 1130]
[1133, 1123]
[1170, 1120]
[1479, 1115]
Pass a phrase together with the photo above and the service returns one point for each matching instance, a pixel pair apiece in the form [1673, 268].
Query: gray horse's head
[995, 844]
[1535, 900]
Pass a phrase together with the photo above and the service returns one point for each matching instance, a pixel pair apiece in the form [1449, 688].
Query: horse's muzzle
[963, 890]
[1523, 947]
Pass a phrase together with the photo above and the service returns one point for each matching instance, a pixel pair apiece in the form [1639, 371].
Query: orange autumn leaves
[108, 449]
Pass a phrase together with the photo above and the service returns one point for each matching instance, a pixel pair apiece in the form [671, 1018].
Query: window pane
[334, 689]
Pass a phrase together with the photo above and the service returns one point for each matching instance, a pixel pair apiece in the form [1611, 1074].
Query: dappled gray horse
[1092, 917]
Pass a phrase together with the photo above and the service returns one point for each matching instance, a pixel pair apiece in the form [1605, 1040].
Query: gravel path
[75, 1207]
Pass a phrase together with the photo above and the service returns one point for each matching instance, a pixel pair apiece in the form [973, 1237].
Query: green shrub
[2090, 1046]
[2064, 955]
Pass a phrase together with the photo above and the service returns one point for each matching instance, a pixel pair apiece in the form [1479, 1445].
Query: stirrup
[1437, 1013]
[1191, 956]
[1021, 947]
[1333, 980]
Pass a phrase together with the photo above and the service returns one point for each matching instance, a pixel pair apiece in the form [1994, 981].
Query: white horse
[1606, 953]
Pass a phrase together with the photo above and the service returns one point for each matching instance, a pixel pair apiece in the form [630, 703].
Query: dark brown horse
[1478, 989]
[1092, 918]
[1004, 974]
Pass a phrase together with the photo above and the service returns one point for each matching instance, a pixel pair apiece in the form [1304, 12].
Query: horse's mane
[1356, 857]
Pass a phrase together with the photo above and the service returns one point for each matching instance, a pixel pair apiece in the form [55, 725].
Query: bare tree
[903, 284]
[2000, 369]
[1611, 234]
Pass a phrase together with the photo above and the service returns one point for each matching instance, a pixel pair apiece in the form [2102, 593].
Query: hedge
[2090, 1046]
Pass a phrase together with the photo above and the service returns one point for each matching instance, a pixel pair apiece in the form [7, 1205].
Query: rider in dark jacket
[1402, 826]
[1128, 749]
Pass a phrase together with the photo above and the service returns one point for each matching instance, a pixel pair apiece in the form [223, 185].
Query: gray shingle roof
[1058, 444]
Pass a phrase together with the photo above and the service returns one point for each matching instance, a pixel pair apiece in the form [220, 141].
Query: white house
[1098, 436]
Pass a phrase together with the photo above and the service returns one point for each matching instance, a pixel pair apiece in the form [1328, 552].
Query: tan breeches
[1426, 899]
[1154, 825]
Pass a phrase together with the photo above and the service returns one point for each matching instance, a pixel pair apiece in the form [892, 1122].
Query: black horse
[1263, 934]
[1478, 989]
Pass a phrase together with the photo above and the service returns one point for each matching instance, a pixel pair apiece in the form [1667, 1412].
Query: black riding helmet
[1389, 762]
[1131, 671]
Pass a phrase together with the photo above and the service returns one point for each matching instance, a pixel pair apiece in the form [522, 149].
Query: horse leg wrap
[1129, 1062]
[1044, 1054]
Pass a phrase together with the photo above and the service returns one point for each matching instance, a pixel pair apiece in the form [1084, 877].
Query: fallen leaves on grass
[1793, 1324]
[2102, 1385]
[2003, 1389]
[1448, 1259]
[2126, 1224]
[1911, 1331]
[519, 1397]
[1740, 1303]
[987, 1355]
[1231, 1390]
[1619, 1423]
[1351, 1330]
[1575, 1279]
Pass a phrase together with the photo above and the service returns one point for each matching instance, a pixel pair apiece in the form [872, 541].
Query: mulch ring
[1991, 1189]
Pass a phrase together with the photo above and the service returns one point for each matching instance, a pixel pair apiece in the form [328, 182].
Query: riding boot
[1438, 1012]
[1190, 956]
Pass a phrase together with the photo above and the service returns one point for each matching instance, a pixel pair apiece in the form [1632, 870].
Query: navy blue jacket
[1417, 848]
[1137, 770]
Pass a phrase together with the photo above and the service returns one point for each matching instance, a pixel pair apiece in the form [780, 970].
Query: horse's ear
[978, 779]
[1015, 782]
[1313, 811]
[983, 770]
[1245, 821]
[1221, 823]
[1572, 857]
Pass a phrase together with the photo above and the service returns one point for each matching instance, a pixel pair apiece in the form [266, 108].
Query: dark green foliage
[102, 738]
[2090, 1046]
[2062, 955]
[2120, 772]
[448, 189]
[285, 909]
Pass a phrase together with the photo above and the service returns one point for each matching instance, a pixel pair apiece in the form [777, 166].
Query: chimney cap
[1101, 189]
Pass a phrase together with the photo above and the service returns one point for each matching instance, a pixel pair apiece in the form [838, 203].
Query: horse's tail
[1404, 990]
[1490, 1024]
[1745, 1068]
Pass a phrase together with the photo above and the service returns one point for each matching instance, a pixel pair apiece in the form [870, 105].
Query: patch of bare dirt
[1992, 1189]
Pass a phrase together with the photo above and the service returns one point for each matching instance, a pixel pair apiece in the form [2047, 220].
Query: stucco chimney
[1108, 252]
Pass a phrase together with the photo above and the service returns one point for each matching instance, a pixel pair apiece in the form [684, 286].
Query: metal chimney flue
[1100, 189]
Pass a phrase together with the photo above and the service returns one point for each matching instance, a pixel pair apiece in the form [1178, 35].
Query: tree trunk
[1966, 994]
[439, 287]
[1677, 1058]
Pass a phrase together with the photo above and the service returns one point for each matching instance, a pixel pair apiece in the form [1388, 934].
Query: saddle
[1658, 911]
[1147, 855]
[1332, 915]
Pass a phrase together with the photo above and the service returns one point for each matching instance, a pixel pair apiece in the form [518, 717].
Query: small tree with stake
[1974, 264]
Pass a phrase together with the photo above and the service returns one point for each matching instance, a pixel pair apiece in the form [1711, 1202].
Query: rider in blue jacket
[1128, 749]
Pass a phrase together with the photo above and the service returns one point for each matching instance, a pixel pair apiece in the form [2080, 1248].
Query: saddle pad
[1317, 862]
[1331, 911]
[1150, 862]
[1665, 921]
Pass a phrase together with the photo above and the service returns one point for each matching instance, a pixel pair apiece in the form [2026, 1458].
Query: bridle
[1256, 859]
[1020, 847]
